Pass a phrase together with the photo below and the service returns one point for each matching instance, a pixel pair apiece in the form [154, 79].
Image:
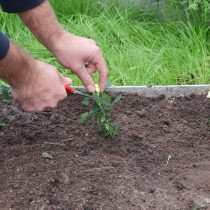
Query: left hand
[43, 87]
[83, 57]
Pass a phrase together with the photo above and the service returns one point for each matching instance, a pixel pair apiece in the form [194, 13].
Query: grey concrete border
[155, 91]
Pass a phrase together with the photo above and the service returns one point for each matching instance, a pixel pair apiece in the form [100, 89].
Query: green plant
[5, 95]
[198, 207]
[47, 155]
[101, 106]
[3, 122]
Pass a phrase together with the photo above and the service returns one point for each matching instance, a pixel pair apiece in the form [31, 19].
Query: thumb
[86, 79]
[65, 80]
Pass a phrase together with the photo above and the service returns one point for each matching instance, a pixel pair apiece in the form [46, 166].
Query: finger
[68, 80]
[62, 96]
[28, 108]
[86, 79]
[64, 80]
[52, 104]
[91, 68]
[103, 71]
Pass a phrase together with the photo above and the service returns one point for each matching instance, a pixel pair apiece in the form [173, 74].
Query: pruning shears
[72, 90]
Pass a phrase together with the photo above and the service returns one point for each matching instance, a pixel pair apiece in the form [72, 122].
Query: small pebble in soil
[150, 151]
[195, 165]
[141, 113]
[152, 190]
[10, 118]
[166, 122]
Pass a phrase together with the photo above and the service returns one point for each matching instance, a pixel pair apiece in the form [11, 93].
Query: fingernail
[90, 88]
[68, 80]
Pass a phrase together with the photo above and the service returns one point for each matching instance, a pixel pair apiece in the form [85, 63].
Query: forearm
[14, 67]
[43, 23]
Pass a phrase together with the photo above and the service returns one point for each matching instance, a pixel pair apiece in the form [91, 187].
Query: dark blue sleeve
[16, 6]
[4, 45]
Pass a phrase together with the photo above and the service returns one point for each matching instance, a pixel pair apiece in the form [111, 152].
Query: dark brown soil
[90, 172]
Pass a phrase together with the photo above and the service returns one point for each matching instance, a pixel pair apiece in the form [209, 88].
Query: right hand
[82, 56]
[44, 88]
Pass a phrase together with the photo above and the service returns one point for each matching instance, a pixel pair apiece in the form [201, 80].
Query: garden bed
[160, 160]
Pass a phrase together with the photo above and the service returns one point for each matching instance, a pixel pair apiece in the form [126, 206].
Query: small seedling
[47, 155]
[102, 103]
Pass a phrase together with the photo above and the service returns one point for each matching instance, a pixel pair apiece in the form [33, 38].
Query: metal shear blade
[80, 93]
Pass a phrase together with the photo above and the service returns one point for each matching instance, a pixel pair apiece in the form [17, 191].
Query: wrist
[58, 42]
[17, 67]
[55, 40]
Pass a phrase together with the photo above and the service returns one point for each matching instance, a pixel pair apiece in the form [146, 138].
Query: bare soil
[160, 160]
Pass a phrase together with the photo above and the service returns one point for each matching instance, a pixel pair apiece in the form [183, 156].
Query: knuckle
[63, 96]
[86, 81]
[60, 97]
[25, 108]
[52, 104]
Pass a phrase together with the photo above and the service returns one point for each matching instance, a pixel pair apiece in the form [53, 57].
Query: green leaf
[116, 100]
[84, 117]
[86, 101]
[198, 207]
[101, 104]
[103, 119]
[96, 97]
[105, 99]
[193, 6]
[117, 126]
[46, 155]
[5, 93]
[3, 122]
[94, 110]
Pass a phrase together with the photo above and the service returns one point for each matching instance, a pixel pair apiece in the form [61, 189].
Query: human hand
[80, 55]
[83, 57]
[43, 88]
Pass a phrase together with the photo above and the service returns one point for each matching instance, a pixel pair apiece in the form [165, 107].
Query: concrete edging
[155, 91]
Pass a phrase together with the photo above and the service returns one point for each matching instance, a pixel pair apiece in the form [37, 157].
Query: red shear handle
[69, 89]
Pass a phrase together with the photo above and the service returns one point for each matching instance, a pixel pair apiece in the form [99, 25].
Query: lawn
[140, 47]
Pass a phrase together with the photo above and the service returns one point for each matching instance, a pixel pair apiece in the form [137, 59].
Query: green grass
[139, 48]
